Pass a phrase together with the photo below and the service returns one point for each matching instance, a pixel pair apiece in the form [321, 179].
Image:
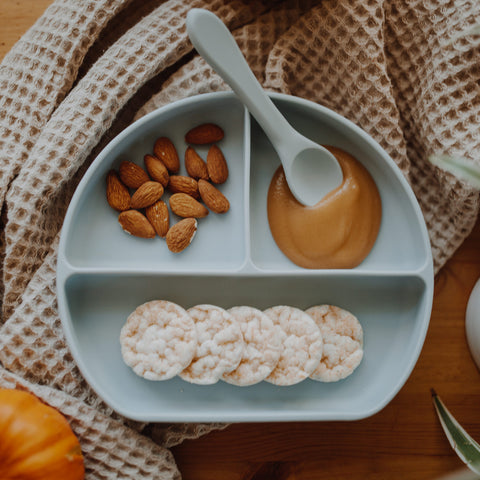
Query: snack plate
[103, 274]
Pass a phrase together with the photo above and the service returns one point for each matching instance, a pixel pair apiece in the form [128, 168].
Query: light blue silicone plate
[104, 274]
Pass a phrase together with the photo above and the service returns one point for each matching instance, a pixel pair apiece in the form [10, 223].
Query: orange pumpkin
[36, 441]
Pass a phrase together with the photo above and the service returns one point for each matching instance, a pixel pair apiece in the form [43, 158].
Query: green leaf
[462, 168]
[464, 445]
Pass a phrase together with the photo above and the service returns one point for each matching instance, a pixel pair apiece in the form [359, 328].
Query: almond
[134, 223]
[203, 134]
[183, 184]
[165, 150]
[216, 165]
[212, 197]
[159, 217]
[195, 165]
[181, 234]
[156, 169]
[132, 175]
[146, 195]
[118, 196]
[186, 206]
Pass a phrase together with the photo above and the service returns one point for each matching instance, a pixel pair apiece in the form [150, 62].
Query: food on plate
[212, 197]
[136, 224]
[339, 231]
[186, 206]
[147, 194]
[204, 134]
[159, 217]
[118, 196]
[156, 169]
[195, 165]
[180, 235]
[158, 340]
[165, 150]
[216, 165]
[220, 345]
[132, 175]
[242, 345]
[342, 342]
[144, 214]
[301, 345]
[262, 346]
[183, 184]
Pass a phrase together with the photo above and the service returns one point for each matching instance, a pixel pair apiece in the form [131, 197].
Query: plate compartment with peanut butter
[104, 274]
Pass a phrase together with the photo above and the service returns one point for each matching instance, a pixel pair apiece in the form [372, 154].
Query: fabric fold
[39, 71]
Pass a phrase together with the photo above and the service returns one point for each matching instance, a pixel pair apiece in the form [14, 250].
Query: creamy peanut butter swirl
[337, 232]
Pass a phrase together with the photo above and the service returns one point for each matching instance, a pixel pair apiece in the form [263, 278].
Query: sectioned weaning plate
[104, 274]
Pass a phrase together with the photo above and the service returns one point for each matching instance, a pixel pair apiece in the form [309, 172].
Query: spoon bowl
[311, 170]
[307, 167]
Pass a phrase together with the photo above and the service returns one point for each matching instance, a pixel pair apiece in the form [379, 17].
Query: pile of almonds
[144, 214]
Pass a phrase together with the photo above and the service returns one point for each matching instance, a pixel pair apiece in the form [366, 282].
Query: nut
[181, 234]
[186, 206]
[203, 134]
[156, 169]
[147, 194]
[118, 196]
[159, 217]
[134, 223]
[183, 184]
[216, 165]
[213, 198]
[165, 150]
[132, 175]
[195, 165]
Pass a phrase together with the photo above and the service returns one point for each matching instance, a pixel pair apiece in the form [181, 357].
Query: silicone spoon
[310, 169]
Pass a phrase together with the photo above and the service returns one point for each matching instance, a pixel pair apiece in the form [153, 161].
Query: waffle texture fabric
[88, 68]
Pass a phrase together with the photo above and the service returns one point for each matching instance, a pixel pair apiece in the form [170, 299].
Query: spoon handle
[216, 45]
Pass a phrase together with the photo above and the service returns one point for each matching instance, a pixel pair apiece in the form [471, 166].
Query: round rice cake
[219, 348]
[262, 347]
[342, 342]
[302, 345]
[158, 340]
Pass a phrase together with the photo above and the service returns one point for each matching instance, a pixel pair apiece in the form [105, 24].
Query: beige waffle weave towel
[87, 68]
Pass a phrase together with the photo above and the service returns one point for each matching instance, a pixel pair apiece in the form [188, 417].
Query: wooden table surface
[403, 441]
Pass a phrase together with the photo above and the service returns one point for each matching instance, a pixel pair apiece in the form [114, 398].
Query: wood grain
[403, 441]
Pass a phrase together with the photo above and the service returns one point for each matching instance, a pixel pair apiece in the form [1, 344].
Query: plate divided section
[92, 236]
[393, 310]
[402, 243]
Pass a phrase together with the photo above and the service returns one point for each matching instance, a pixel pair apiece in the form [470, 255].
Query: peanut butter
[337, 232]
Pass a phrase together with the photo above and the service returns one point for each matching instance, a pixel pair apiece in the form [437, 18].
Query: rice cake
[301, 345]
[219, 348]
[158, 340]
[262, 347]
[342, 342]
